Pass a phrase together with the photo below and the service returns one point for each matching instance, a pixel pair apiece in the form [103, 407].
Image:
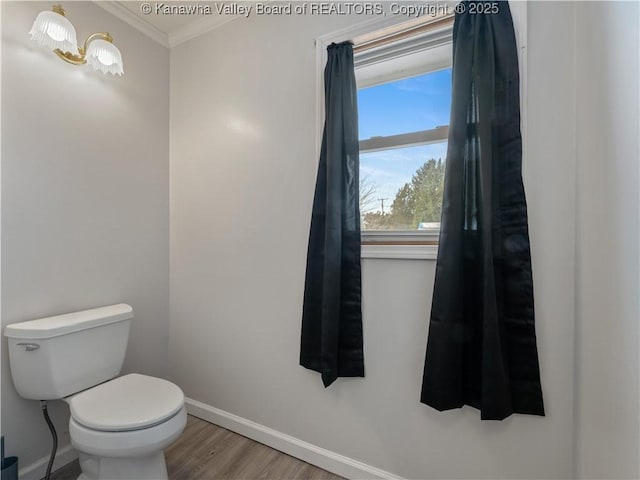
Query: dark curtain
[332, 317]
[481, 349]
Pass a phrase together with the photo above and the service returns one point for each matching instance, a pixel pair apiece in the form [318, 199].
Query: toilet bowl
[118, 425]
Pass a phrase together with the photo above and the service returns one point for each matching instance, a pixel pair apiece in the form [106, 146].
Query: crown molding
[116, 9]
[197, 28]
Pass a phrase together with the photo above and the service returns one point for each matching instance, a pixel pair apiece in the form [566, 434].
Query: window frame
[410, 139]
[417, 244]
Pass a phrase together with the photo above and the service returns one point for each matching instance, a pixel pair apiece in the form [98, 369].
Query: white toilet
[119, 426]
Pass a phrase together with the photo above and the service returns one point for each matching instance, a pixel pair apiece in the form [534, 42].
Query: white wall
[243, 170]
[608, 289]
[85, 198]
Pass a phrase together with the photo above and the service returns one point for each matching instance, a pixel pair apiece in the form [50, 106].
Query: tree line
[418, 201]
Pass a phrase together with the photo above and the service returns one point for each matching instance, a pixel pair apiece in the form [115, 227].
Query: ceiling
[163, 22]
[166, 22]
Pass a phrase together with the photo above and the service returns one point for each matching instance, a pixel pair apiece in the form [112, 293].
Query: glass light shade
[105, 57]
[52, 30]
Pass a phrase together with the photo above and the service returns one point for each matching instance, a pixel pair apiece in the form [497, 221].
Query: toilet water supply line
[45, 412]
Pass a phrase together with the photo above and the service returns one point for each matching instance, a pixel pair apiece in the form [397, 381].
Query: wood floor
[207, 452]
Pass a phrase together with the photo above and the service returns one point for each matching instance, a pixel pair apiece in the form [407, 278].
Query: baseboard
[320, 457]
[37, 469]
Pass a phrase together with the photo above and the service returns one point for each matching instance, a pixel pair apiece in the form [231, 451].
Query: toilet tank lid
[58, 325]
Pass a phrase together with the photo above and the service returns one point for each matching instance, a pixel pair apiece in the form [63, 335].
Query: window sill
[400, 245]
[400, 252]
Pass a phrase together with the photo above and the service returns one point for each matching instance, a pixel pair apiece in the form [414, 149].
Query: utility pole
[382, 203]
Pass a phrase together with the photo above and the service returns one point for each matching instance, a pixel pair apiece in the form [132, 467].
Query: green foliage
[418, 201]
[376, 221]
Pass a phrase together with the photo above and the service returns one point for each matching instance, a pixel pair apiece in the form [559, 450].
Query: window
[403, 51]
[404, 101]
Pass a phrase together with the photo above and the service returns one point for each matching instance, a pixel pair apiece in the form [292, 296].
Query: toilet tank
[54, 357]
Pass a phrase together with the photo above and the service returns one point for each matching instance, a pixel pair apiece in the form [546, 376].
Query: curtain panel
[331, 342]
[481, 348]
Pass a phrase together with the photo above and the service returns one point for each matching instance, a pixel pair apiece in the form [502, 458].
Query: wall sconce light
[53, 30]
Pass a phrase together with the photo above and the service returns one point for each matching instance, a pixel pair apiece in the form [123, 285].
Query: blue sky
[408, 105]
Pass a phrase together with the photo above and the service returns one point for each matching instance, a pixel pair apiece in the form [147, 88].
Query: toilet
[118, 425]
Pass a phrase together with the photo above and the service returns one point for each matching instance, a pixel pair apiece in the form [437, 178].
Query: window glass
[401, 187]
[407, 105]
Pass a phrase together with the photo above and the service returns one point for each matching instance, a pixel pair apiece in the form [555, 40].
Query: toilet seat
[127, 444]
[128, 403]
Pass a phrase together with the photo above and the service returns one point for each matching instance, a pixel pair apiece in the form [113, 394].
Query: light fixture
[52, 29]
